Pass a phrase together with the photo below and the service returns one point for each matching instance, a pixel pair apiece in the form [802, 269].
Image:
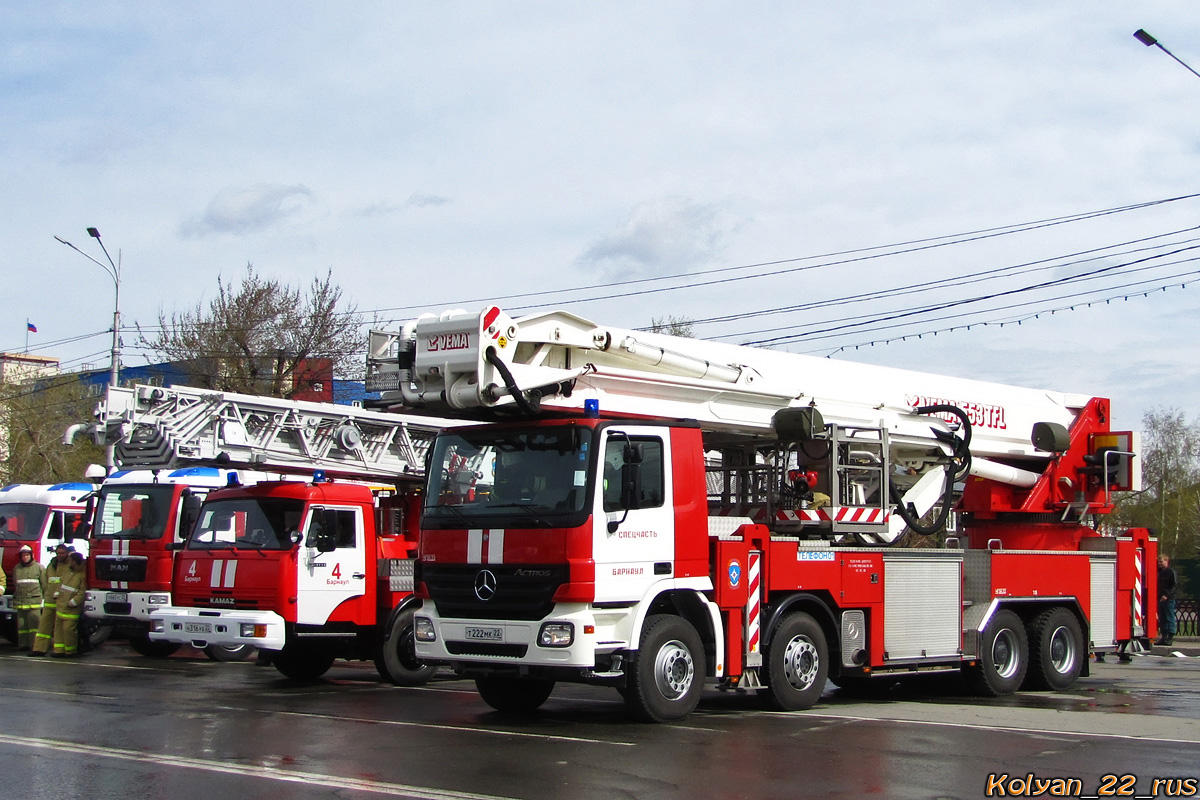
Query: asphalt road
[116, 725]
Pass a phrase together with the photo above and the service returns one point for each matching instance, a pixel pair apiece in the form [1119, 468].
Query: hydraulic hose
[510, 382]
[961, 456]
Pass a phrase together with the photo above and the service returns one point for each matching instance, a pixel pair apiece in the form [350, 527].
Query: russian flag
[29, 326]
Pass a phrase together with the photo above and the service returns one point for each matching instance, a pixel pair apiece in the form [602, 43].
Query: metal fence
[1187, 617]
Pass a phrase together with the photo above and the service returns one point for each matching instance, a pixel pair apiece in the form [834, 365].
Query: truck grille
[524, 591]
[121, 568]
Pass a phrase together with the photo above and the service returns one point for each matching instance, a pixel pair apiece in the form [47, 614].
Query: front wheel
[398, 660]
[1003, 657]
[230, 652]
[514, 695]
[151, 648]
[796, 664]
[667, 672]
[302, 663]
[1056, 650]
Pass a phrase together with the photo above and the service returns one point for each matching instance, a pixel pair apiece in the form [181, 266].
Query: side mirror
[189, 514]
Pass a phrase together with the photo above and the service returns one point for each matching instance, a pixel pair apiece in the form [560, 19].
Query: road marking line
[249, 770]
[63, 694]
[432, 726]
[1000, 728]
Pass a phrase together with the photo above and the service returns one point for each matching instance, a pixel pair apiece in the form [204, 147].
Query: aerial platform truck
[656, 513]
[310, 568]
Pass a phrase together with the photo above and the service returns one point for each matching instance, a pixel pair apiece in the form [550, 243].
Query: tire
[302, 663]
[398, 660]
[99, 635]
[796, 664]
[230, 653]
[666, 674]
[144, 645]
[1056, 650]
[1003, 657]
[514, 695]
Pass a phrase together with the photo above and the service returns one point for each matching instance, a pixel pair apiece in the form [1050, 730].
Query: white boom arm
[163, 427]
[459, 361]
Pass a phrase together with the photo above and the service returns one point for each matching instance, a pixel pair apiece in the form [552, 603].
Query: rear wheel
[514, 695]
[231, 652]
[398, 660]
[666, 676]
[99, 634]
[1056, 650]
[302, 663]
[150, 648]
[1003, 657]
[796, 664]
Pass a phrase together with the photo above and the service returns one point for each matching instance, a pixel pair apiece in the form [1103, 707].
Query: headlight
[251, 631]
[423, 630]
[556, 634]
[158, 626]
[160, 599]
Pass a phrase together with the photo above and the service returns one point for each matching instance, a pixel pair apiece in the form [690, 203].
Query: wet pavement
[116, 725]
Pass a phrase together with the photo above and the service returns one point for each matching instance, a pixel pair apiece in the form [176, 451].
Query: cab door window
[633, 473]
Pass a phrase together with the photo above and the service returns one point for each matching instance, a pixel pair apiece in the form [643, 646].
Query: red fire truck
[656, 513]
[308, 569]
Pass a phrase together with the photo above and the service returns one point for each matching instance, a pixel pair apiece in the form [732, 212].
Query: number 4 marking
[337, 570]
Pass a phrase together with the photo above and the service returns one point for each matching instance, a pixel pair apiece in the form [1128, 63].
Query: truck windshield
[265, 523]
[21, 521]
[530, 477]
[134, 512]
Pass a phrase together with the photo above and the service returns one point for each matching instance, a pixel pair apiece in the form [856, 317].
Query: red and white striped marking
[753, 608]
[1139, 618]
[485, 546]
[120, 547]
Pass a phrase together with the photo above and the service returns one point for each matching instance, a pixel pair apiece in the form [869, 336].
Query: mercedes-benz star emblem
[485, 585]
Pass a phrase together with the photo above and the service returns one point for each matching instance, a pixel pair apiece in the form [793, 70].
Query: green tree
[37, 415]
[254, 337]
[1170, 502]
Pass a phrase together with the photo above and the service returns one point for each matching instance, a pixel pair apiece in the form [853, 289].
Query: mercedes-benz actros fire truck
[308, 569]
[657, 513]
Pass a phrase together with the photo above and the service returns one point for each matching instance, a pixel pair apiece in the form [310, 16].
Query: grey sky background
[440, 155]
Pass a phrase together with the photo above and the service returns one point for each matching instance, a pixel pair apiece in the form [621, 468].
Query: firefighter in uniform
[68, 607]
[51, 579]
[27, 596]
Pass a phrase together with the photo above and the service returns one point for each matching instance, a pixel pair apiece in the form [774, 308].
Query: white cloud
[662, 237]
[247, 210]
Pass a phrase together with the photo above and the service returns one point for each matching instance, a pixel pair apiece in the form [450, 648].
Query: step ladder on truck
[307, 569]
[657, 513]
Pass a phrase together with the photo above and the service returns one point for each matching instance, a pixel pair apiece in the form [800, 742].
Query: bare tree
[673, 326]
[253, 338]
[37, 414]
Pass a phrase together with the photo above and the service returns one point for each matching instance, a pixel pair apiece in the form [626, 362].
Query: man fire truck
[653, 513]
[41, 516]
[310, 569]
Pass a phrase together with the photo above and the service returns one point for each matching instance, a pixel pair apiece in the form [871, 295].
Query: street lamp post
[114, 272]
[1150, 41]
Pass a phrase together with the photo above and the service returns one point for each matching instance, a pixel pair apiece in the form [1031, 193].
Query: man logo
[485, 585]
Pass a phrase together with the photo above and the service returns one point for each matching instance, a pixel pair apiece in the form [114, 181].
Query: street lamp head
[95, 234]
[1145, 38]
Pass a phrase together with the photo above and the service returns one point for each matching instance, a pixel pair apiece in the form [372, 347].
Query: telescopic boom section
[1026, 450]
[165, 427]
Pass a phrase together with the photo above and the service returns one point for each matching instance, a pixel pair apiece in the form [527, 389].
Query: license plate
[117, 597]
[486, 634]
[197, 627]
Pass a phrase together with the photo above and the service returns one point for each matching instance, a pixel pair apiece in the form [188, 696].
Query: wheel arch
[693, 607]
[1027, 608]
[812, 604]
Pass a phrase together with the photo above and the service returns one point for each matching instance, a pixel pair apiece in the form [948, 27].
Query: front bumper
[123, 606]
[204, 627]
[515, 642]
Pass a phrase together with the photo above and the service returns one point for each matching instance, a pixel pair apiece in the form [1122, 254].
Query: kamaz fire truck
[656, 513]
[311, 569]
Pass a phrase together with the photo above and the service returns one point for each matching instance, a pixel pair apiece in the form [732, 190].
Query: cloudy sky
[700, 160]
